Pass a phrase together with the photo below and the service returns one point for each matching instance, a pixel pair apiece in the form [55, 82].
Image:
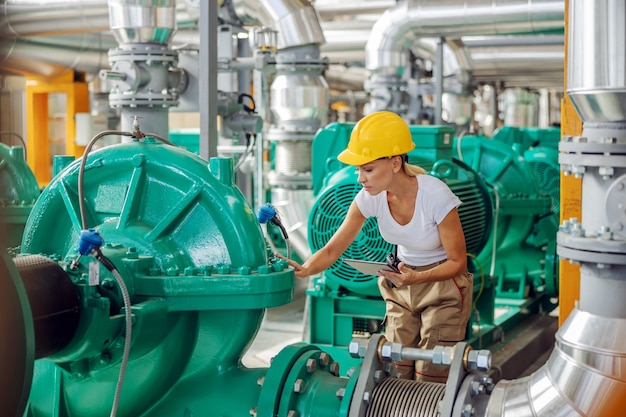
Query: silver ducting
[295, 20]
[55, 55]
[584, 376]
[138, 21]
[596, 79]
[586, 373]
[24, 18]
[398, 27]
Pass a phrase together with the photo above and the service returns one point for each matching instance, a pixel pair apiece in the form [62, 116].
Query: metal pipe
[398, 27]
[23, 18]
[54, 56]
[439, 81]
[295, 21]
[585, 374]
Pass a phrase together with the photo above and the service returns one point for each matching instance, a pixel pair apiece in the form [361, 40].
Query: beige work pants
[427, 315]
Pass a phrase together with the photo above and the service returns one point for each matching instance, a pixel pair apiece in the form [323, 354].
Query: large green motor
[521, 252]
[335, 186]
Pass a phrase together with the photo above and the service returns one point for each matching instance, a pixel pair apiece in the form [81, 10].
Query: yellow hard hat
[377, 135]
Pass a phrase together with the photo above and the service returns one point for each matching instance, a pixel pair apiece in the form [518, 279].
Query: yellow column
[37, 121]
[571, 198]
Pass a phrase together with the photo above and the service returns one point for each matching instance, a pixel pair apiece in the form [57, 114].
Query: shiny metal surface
[396, 29]
[584, 333]
[585, 375]
[596, 76]
[21, 18]
[299, 95]
[295, 20]
[140, 21]
[54, 56]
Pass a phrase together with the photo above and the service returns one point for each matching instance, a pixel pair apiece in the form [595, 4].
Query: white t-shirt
[418, 241]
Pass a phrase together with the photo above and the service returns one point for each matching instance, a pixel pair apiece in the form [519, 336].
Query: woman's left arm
[453, 240]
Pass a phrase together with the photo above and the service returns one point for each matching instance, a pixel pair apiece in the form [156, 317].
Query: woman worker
[428, 302]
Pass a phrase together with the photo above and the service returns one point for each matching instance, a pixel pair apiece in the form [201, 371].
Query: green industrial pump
[144, 277]
[197, 272]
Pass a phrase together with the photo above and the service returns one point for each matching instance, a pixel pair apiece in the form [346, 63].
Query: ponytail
[409, 169]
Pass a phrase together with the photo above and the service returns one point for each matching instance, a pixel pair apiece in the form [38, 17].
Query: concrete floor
[281, 326]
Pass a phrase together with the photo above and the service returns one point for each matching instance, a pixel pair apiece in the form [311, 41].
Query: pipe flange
[615, 206]
[473, 396]
[579, 255]
[591, 160]
[142, 100]
[296, 133]
[292, 181]
[144, 52]
[592, 148]
[591, 244]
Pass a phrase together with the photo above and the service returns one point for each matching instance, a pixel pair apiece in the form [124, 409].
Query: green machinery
[198, 275]
[540, 149]
[18, 192]
[520, 165]
[143, 278]
[503, 210]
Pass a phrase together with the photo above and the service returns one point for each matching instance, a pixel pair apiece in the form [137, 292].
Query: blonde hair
[410, 169]
[413, 170]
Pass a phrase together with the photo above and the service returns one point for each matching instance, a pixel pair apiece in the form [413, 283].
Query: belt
[425, 267]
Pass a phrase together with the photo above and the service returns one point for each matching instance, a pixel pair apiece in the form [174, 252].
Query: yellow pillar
[571, 198]
[37, 120]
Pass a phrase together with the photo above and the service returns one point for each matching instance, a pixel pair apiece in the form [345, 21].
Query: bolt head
[446, 355]
[479, 360]
[437, 355]
[396, 352]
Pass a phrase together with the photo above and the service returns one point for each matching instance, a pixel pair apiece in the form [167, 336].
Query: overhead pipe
[25, 18]
[400, 27]
[55, 55]
[295, 21]
[48, 38]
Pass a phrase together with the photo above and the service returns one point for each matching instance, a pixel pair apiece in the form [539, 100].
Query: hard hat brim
[351, 158]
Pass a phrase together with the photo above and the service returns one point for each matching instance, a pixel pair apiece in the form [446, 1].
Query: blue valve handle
[266, 213]
[89, 240]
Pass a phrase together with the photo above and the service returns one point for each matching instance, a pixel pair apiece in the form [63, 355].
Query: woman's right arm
[326, 256]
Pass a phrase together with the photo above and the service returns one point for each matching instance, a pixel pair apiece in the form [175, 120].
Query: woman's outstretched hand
[299, 270]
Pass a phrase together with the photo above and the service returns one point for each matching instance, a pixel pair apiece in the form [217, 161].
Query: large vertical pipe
[585, 375]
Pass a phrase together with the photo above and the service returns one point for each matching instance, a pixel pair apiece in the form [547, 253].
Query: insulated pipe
[295, 20]
[24, 18]
[399, 27]
[54, 56]
[586, 372]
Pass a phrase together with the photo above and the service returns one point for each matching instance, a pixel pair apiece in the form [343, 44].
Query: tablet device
[369, 267]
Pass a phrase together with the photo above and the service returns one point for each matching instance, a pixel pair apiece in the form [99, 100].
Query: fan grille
[327, 215]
